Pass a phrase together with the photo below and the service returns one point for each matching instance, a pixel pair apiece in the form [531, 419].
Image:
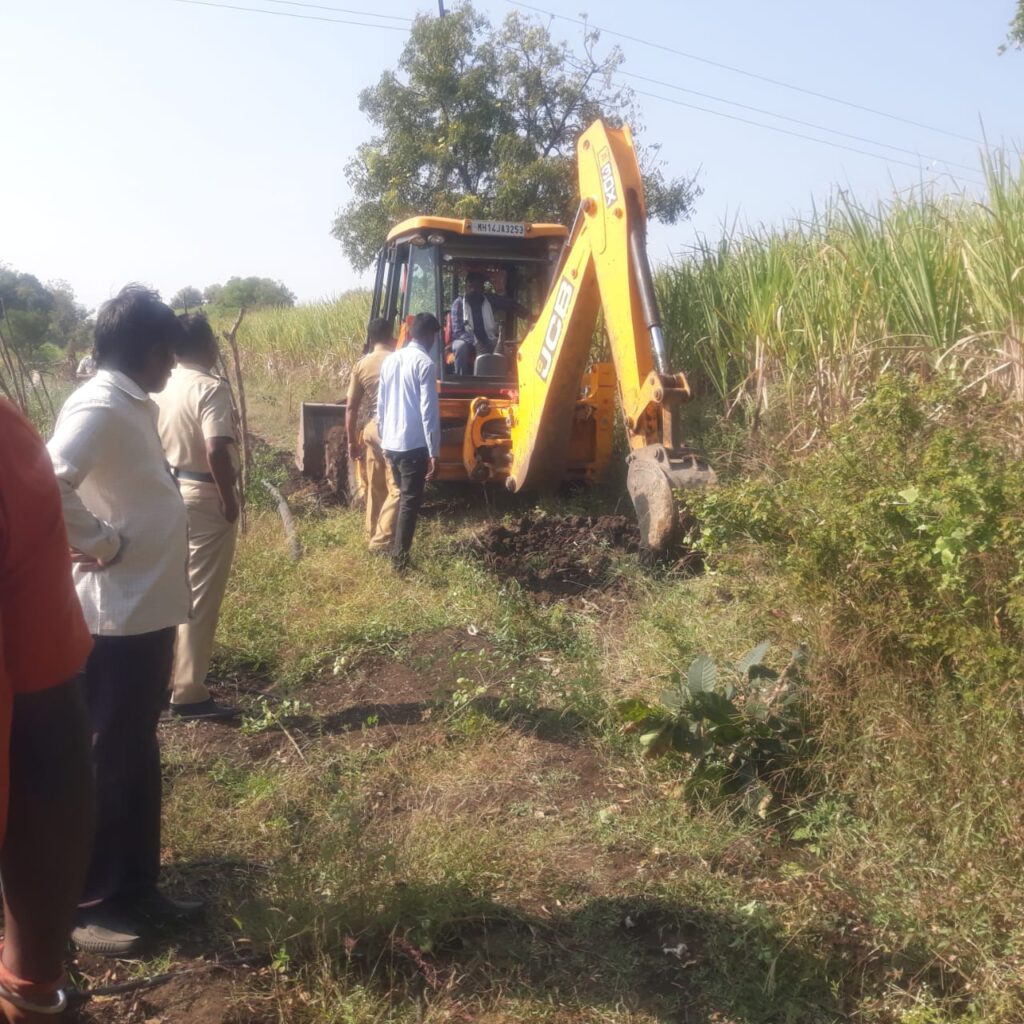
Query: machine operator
[474, 325]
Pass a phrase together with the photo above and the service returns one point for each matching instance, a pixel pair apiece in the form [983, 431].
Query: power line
[289, 14]
[799, 135]
[796, 120]
[668, 85]
[748, 74]
[338, 10]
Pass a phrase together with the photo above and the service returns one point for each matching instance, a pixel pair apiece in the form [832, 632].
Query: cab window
[421, 284]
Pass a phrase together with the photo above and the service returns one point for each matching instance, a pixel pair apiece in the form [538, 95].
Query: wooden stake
[231, 337]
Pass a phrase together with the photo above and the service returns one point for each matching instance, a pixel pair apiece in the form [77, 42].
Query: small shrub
[740, 728]
[907, 526]
[265, 717]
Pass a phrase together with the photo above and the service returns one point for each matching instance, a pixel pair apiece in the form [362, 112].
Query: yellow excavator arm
[604, 266]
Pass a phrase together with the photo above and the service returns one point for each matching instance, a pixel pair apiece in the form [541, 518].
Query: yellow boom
[604, 266]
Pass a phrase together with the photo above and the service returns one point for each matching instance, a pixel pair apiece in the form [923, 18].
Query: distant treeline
[250, 292]
[41, 321]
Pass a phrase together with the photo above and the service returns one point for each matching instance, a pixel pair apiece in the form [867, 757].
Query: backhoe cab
[538, 411]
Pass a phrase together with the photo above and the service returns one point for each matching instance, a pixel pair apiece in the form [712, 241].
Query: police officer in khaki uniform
[364, 437]
[199, 436]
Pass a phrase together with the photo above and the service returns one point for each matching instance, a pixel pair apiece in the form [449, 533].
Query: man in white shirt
[197, 429]
[86, 367]
[127, 528]
[409, 420]
[474, 325]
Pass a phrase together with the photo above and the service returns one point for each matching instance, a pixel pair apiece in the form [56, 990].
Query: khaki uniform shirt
[195, 406]
[363, 385]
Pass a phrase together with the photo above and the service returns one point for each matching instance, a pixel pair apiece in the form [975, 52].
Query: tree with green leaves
[71, 323]
[483, 121]
[25, 308]
[35, 314]
[250, 292]
[1017, 27]
[187, 299]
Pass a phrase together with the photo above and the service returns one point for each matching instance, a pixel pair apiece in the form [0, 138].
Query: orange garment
[44, 640]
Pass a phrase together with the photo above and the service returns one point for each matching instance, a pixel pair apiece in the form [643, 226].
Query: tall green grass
[891, 336]
[294, 355]
[803, 320]
[320, 339]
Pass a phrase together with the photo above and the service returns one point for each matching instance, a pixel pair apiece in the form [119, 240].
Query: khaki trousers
[362, 483]
[381, 493]
[211, 546]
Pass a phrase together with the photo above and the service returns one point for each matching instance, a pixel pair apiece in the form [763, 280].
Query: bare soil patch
[376, 702]
[199, 993]
[384, 702]
[558, 556]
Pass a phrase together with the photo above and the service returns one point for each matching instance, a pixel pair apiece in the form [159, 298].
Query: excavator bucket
[322, 452]
[316, 422]
[653, 478]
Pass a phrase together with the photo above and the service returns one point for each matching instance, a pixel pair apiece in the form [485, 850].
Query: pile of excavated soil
[558, 555]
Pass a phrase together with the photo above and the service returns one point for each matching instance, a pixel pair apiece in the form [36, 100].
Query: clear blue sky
[150, 140]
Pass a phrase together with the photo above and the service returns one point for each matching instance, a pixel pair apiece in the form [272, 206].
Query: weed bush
[740, 728]
[900, 545]
[909, 523]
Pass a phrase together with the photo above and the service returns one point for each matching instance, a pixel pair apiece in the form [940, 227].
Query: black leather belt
[198, 478]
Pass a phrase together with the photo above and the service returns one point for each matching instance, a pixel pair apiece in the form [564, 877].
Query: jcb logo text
[553, 335]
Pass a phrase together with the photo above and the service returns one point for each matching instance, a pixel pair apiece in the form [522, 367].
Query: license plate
[497, 227]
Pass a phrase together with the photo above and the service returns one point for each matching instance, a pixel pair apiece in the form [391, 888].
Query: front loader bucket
[314, 425]
[654, 475]
[322, 452]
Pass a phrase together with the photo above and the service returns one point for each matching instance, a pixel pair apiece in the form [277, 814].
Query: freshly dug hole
[557, 556]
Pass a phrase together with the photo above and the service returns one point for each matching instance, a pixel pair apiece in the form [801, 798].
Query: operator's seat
[490, 364]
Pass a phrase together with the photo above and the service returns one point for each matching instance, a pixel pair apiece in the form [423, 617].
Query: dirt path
[402, 708]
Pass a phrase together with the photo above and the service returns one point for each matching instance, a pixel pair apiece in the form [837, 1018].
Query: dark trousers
[126, 687]
[409, 471]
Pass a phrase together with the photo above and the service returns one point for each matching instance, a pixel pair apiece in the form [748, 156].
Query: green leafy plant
[906, 526]
[739, 727]
[819, 824]
[265, 716]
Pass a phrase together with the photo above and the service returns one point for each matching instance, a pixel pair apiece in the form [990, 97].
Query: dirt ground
[557, 556]
[203, 974]
[582, 913]
[209, 979]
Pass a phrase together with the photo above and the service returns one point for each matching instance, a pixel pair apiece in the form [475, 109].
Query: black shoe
[156, 906]
[208, 708]
[106, 931]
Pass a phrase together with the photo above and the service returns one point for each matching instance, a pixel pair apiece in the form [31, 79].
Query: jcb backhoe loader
[534, 413]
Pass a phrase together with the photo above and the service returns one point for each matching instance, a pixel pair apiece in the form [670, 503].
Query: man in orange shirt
[46, 792]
